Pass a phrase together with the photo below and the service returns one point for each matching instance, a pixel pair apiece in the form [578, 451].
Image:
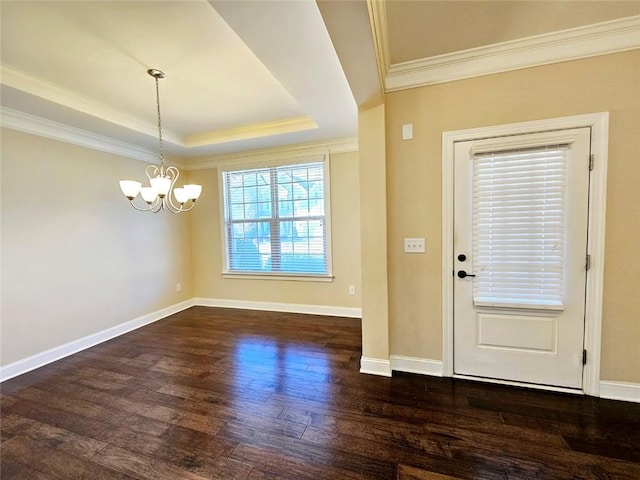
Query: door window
[518, 227]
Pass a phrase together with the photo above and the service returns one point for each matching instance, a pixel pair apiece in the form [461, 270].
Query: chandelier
[161, 179]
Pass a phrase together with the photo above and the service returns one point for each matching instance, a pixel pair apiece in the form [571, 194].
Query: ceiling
[242, 75]
[239, 75]
[450, 26]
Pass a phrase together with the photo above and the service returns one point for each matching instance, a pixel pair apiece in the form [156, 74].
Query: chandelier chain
[159, 121]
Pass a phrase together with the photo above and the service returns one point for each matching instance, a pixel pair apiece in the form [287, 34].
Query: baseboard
[629, 392]
[43, 358]
[375, 366]
[422, 366]
[281, 307]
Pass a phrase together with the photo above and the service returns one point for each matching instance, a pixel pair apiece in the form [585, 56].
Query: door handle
[463, 274]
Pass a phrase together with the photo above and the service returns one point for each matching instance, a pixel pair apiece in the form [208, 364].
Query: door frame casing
[599, 124]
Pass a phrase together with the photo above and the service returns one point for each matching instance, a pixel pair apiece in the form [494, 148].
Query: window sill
[278, 276]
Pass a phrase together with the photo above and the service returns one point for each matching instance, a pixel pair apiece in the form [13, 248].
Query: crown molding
[23, 122]
[582, 42]
[276, 127]
[54, 93]
[26, 123]
[380, 33]
[344, 145]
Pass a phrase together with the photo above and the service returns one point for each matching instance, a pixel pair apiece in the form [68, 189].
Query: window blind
[275, 219]
[518, 227]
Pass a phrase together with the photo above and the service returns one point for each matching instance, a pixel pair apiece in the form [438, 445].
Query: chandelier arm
[151, 208]
[173, 173]
[183, 209]
[173, 209]
[157, 205]
[152, 171]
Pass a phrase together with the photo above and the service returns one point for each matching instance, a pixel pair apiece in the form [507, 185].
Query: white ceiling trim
[343, 145]
[26, 123]
[265, 129]
[380, 32]
[53, 93]
[31, 124]
[588, 41]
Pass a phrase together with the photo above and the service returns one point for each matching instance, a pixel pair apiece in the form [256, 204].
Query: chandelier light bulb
[181, 195]
[193, 191]
[130, 188]
[161, 185]
[148, 194]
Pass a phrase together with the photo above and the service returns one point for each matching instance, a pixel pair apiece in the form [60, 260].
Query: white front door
[520, 246]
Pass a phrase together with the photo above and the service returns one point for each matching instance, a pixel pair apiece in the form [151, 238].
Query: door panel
[521, 332]
[508, 327]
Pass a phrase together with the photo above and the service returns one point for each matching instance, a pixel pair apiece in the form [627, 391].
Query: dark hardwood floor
[229, 394]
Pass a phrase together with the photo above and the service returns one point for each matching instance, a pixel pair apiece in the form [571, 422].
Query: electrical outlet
[352, 289]
[178, 287]
[414, 245]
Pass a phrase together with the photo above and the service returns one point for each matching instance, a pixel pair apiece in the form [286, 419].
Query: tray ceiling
[239, 75]
[246, 75]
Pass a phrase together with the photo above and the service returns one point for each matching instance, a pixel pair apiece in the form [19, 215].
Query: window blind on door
[519, 227]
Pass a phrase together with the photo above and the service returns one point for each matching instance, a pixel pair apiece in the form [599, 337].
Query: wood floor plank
[437, 456]
[272, 462]
[326, 456]
[141, 466]
[411, 473]
[260, 475]
[96, 411]
[210, 459]
[64, 440]
[185, 438]
[55, 462]
[229, 394]
[11, 470]
[619, 448]
[57, 418]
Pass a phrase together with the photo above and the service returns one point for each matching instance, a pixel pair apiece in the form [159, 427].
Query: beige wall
[607, 83]
[375, 307]
[345, 210]
[76, 258]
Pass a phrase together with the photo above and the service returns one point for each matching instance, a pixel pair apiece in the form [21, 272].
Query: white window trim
[599, 124]
[278, 276]
[284, 159]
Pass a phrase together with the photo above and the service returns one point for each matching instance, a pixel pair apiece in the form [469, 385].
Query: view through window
[275, 219]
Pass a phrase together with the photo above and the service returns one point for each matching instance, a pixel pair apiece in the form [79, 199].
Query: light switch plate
[414, 245]
[407, 131]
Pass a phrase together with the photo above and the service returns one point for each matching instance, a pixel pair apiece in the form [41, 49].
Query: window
[275, 219]
[518, 227]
